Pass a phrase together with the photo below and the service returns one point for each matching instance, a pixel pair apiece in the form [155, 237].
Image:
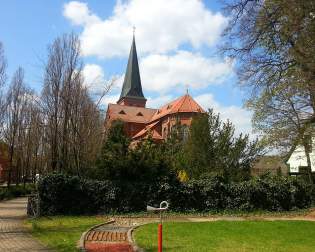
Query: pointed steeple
[131, 93]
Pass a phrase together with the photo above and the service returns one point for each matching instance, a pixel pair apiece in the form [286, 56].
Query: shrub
[16, 191]
[62, 194]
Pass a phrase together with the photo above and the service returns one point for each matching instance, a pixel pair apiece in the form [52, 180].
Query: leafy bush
[273, 193]
[16, 191]
[62, 194]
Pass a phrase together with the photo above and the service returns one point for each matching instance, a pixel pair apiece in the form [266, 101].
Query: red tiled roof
[130, 113]
[156, 135]
[145, 130]
[151, 117]
[183, 104]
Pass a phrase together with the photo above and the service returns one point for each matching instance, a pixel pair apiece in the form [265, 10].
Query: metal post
[160, 238]
[163, 207]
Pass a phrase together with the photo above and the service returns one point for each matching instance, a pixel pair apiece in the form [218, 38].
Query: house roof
[132, 83]
[183, 104]
[146, 129]
[130, 113]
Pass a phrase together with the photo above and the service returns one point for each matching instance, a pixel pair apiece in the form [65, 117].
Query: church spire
[131, 93]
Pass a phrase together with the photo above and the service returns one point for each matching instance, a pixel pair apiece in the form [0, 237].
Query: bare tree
[15, 110]
[272, 40]
[274, 43]
[60, 130]
[281, 118]
[73, 124]
[3, 77]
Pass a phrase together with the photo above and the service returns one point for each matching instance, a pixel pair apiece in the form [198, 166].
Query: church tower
[141, 122]
[131, 93]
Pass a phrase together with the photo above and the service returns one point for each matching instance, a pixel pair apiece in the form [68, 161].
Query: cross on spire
[187, 86]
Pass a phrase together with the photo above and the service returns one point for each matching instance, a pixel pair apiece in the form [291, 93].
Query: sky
[176, 40]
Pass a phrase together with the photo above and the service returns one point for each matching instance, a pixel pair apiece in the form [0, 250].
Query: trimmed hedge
[62, 194]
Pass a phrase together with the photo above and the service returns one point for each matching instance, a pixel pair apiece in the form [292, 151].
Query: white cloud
[93, 77]
[157, 102]
[79, 14]
[162, 26]
[239, 116]
[109, 99]
[163, 73]
[95, 81]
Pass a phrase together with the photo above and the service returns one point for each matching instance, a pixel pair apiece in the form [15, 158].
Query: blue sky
[176, 43]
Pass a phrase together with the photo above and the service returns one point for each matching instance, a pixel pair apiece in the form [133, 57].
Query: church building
[140, 121]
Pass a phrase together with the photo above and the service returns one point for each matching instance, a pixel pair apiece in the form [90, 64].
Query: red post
[160, 238]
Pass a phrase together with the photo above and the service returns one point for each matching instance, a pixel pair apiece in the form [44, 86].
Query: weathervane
[133, 30]
[187, 86]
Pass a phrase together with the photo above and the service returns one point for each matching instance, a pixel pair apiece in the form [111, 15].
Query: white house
[298, 158]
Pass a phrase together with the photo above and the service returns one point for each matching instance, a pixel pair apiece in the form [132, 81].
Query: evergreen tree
[212, 147]
[197, 150]
[113, 161]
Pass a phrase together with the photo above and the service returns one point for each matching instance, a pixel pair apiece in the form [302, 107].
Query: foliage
[213, 147]
[16, 191]
[113, 161]
[273, 42]
[230, 236]
[63, 194]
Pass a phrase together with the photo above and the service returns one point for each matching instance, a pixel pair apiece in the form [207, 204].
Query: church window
[139, 114]
[185, 132]
[122, 112]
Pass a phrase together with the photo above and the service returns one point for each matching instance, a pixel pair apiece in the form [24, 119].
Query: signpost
[163, 207]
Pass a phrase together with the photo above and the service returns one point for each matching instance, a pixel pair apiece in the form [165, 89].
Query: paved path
[13, 236]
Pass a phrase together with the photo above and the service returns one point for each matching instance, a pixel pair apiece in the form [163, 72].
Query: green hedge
[272, 193]
[16, 191]
[62, 194]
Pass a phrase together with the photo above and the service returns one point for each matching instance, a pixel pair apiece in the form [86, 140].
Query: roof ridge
[179, 103]
[183, 99]
[190, 100]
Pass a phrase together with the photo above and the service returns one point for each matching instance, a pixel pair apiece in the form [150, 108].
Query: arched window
[185, 132]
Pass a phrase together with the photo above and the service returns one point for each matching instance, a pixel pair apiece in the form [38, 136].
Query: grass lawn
[62, 232]
[228, 236]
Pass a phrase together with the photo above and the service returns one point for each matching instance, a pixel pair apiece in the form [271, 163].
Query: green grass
[228, 236]
[62, 232]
